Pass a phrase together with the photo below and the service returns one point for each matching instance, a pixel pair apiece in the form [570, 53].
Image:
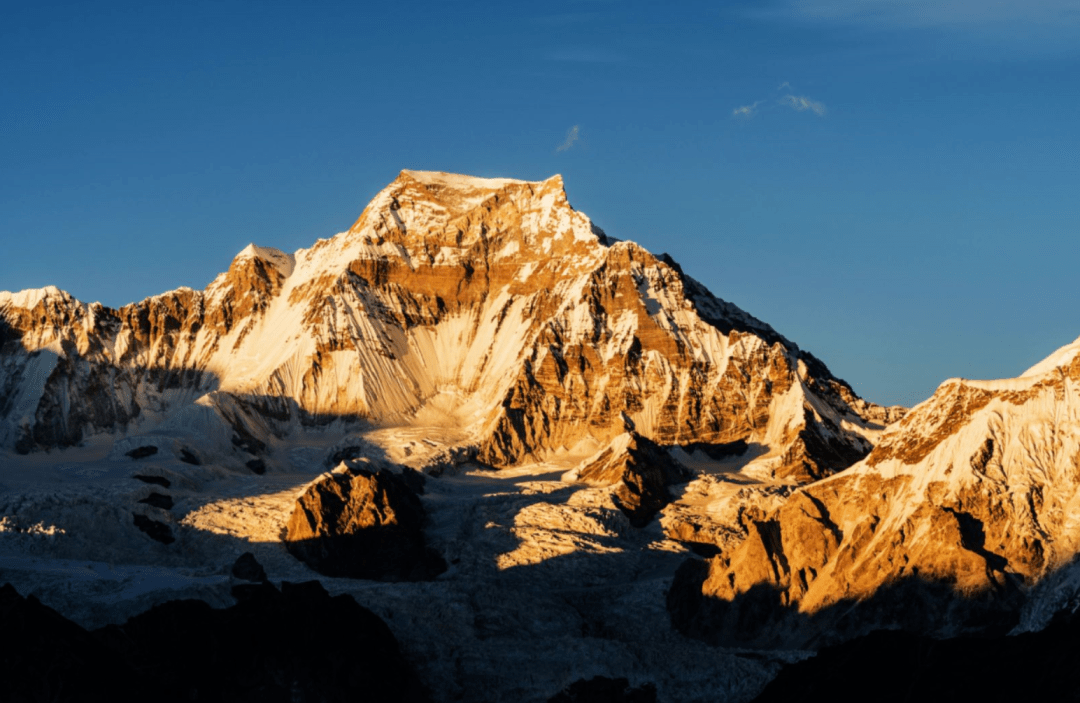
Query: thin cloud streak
[798, 103]
[746, 110]
[971, 28]
[801, 103]
[571, 136]
[942, 13]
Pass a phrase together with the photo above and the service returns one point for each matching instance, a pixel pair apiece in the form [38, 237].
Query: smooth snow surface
[1059, 358]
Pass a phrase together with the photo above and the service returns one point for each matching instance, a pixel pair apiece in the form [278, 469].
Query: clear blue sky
[898, 193]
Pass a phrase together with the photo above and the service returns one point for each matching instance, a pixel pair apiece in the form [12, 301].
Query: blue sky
[892, 185]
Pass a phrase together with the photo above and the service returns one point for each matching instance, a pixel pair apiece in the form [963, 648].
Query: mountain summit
[488, 308]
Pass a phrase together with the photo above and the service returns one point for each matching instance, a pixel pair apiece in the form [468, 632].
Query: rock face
[359, 524]
[272, 645]
[489, 304]
[641, 471]
[963, 506]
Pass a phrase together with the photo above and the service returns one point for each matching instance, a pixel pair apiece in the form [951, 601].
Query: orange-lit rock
[973, 495]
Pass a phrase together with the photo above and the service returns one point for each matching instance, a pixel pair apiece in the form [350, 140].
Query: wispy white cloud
[572, 135]
[801, 103]
[1031, 26]
[940, 13]
[746, 110]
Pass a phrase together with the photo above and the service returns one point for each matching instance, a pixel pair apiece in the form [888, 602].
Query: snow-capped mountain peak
[489, 305]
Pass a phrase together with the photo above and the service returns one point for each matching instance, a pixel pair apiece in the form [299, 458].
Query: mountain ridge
[969, 502]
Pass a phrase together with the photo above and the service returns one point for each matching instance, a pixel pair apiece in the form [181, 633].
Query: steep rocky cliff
[960, 509]
[487, 304]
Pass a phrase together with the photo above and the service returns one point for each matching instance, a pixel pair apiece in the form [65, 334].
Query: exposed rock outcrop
[641, 471]
[961, 507]
[362, 524]
[154, 529]
[247, 568]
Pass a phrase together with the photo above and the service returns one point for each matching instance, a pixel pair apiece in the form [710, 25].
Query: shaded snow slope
[548, 582]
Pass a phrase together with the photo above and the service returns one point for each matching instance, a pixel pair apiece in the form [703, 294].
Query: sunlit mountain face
[550, 461]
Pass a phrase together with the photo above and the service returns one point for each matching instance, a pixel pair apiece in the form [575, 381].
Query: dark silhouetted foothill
[155, 530]
[142, 452]
[359, 524]
[247, 568]
[601, 689]
[257, 466]
[158, 500]
[270, 646]
[1032, 666]
[156, 480]
[44, 656]
[189, 457]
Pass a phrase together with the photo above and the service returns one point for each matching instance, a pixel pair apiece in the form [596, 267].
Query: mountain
[487, 308]
[951, 524]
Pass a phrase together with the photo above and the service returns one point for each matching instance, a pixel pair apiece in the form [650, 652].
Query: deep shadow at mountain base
[760, 618]
[888, 666]
[293, 644]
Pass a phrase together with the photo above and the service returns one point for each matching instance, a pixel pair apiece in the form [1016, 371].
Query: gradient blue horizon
[922, 226]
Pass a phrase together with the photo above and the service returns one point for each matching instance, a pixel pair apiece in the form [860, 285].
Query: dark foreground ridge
[601, 689]
[273, 645]
[888, 666]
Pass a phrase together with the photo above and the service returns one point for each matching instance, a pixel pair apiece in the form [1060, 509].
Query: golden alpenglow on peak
[462, 182]
[474, 399]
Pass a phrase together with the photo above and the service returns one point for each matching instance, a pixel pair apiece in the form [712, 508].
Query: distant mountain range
[606, 441]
